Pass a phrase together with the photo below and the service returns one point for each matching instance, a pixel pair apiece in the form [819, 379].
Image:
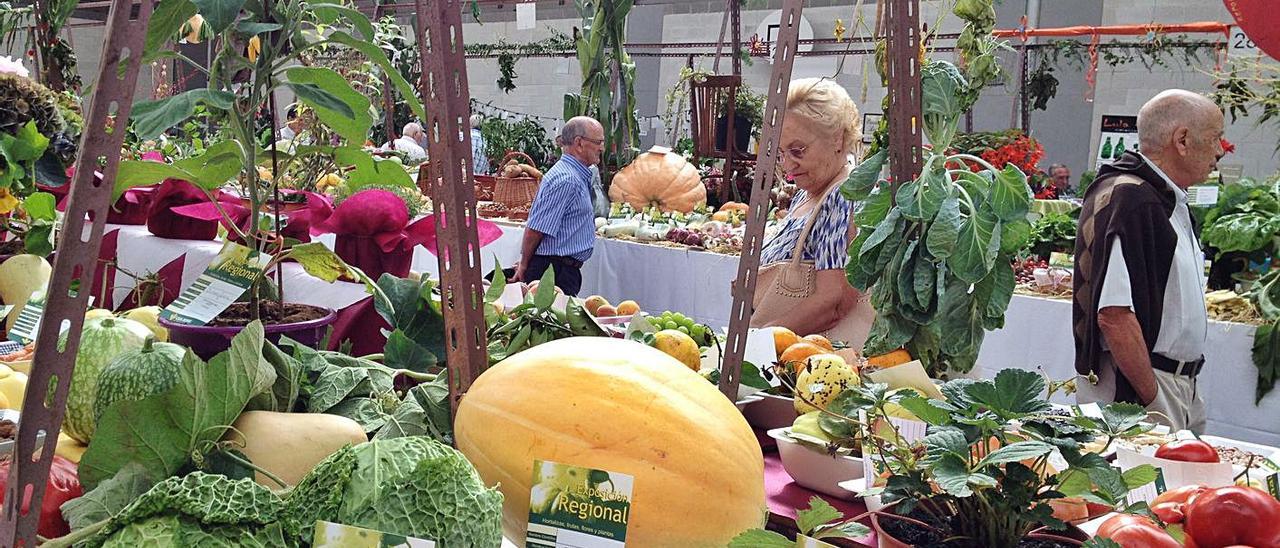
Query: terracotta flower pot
[1071, 536]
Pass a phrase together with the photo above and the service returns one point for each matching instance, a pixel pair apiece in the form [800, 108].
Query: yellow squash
[624, 407]
[290, 444]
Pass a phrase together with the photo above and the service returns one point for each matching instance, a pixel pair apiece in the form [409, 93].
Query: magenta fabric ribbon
[299, 221]
[374, 233]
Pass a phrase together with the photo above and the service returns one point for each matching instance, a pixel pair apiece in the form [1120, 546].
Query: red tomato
[1130, 531]
[62, 486]
[1188, 451]
[1170, 505]
[1230, 516]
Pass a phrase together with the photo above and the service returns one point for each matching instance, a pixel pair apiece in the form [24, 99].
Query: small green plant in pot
[993, 457]
[259, 47]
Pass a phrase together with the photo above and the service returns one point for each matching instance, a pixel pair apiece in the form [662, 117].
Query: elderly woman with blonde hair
[802, 284]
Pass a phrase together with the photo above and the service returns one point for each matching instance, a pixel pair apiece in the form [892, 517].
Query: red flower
[1227, 147]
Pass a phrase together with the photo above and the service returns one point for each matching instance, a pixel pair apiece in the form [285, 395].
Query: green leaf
[752, 377]
[883, 231]
[368, 170]
[1014, 452]
[41, 206]
[819, 512]
[252, 28]
[320, 261]
[1013, 392]
[1266, 357]
[862, 180]
[952, 475]
[760, 538]
[151, 118]
[937, 189]
[499, 283]
[974, 253]
[109, 497]
[909, 201]
[942, 441]
[1010, 197]
[1097, 542]
[166, 21]
[945, 229]
[546, 294]
[336, 13]
[405, 353]
[1118, 418]
[336, 103]
[960, 319]
[219, 14]
[1139, 475]
[1246, 232]
[184, 420]
[997, 289]
[925, 410]
[925, 281]
[848, 529]
[290, 376]
[875, 208]
[1014, 235]
[1074, 482]
[1110, 483]
[375, 54]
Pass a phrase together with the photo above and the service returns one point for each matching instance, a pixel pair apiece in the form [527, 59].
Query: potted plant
[993, 457]
[748, 115]
[259, 48]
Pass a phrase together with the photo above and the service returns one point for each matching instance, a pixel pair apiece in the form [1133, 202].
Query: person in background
[1061, 176]
[820, 132]
[1139, 316]
[293, 125]
[561, 230]
[410, 142]
[479, 162]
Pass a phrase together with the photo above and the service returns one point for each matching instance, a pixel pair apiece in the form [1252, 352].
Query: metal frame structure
[744, 287]
[68, 294]
[902, 28]
[448, 178]
[450, 182]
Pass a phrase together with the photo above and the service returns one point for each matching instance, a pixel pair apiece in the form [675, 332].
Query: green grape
[670, 324]
[680, 318]
[683, 329]
[699, 334]
[688, 323]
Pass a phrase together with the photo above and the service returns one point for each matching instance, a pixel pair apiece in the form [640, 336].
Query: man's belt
[562, 260]
[1190, 369]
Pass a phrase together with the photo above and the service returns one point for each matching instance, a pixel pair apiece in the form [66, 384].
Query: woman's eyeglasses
[796, 153]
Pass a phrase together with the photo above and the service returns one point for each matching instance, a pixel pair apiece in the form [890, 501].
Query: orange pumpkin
[659, 178]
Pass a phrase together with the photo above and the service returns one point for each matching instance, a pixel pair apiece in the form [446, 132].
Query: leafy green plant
[981, 475]
[260, 47]
[525, 135]
[534, 322]
[1246, 219]
[820, 521]
[935, 252]
[1050, 233]
[33, 223]
[608, 81]
[747, 104]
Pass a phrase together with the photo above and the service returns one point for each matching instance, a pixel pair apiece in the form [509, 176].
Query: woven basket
[484, 187]
[515, 191]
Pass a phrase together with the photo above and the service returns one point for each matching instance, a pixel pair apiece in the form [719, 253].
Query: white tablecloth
[1037, 333]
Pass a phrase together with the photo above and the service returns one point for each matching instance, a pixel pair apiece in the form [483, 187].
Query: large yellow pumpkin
[659, 178]
[624, 407]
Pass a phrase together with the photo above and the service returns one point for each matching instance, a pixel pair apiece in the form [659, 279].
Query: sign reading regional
[575, 507]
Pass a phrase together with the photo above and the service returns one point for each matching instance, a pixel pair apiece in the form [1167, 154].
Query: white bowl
[771, 412]
[816, 470]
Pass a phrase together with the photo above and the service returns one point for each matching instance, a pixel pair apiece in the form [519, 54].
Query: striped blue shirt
[562, 211]
[479, 162]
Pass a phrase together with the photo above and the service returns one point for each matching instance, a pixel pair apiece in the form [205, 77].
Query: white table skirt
[1036, 336]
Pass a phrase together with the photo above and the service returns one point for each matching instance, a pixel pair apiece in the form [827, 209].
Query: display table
[785, 497]
[1037, 333]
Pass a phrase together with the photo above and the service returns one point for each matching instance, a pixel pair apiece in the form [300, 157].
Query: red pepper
[63, 485]
[1188, 451]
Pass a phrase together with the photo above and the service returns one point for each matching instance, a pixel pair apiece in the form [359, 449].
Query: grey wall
[1067, 129]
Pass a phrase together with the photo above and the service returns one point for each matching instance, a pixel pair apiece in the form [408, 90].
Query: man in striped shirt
[561, 230]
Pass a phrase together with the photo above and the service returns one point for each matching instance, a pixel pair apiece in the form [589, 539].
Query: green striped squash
[100, 342]
[139, 373]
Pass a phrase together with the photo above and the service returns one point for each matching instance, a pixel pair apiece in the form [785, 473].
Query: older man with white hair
[411, 142]
[561, 230]
[1139, 315]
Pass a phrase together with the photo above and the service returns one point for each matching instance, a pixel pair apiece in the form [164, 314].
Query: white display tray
[816, 470]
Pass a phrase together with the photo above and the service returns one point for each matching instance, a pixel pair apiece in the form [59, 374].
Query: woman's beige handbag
[783, 285]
